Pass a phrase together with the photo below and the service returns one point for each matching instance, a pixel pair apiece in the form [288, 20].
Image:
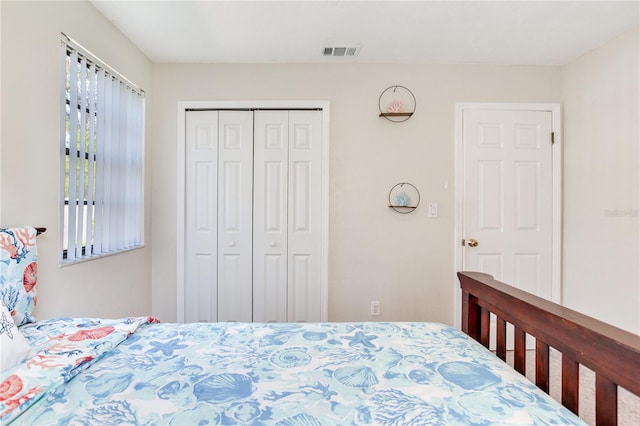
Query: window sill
[65, 262]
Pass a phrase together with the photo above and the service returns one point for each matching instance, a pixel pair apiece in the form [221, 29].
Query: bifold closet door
[201, 217]
[287, 216]
[253, 248]
[218, 228]
[305, 216]
[235, 212]
[270, 243]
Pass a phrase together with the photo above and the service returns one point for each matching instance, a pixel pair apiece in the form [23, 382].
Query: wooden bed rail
[611, 353]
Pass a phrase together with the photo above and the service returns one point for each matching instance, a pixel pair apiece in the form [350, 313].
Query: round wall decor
[404, 197]
[397, 104]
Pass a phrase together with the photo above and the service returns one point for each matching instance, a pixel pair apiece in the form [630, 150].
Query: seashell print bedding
[286, 374]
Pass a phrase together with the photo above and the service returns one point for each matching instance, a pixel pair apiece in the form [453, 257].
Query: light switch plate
[432, 209]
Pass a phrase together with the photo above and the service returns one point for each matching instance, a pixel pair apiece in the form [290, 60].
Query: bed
[611, 353]
[92, 371]
[135, 371]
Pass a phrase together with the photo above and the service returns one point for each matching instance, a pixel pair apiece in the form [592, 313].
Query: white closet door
[305, 216]
[271, 153]
[235, 193]
[201, 227]
[253, 239]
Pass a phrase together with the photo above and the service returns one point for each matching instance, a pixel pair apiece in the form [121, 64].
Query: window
[102, 133]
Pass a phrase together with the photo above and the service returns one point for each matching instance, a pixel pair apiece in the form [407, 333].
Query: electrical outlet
[375, 308]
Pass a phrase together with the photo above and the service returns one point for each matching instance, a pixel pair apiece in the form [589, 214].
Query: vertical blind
[102, 133]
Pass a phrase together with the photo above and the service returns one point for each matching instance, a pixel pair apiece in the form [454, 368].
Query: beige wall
[601, 95]
[404, 261]
[110, 287]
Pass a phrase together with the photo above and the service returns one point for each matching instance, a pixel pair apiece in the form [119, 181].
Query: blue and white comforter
[295, 374]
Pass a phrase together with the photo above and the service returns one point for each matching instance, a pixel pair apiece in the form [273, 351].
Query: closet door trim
[185, 106]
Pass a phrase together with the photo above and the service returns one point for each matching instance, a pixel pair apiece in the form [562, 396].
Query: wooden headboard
[613, 354]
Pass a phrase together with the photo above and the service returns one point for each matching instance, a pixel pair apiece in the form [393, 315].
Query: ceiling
[393, 31]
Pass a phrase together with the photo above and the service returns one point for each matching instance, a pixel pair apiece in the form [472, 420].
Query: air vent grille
[342, 50]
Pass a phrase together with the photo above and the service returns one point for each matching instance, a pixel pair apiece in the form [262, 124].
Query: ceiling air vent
[342, 51]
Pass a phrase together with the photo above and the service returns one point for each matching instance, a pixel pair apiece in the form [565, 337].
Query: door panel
[231, 181]
[204, 188]
[201, 224]
[490, 196]
[527, 196]
[490, 263]
[508, 196]
[527, 272]
[275, 196]
[305, 213]
[271, 169]
[232, 291]
[301, 297]
[235, 212]
[301, 196]
[204, 294]
[270, 292]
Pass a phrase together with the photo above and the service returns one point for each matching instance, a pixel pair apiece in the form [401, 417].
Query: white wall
[404, 261]
[115, 286]
[601, 95]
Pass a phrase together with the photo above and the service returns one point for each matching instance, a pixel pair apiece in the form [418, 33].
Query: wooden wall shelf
[403, 207]
[395, 114]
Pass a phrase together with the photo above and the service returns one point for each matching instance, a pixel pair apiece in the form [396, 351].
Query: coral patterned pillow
[18, 272]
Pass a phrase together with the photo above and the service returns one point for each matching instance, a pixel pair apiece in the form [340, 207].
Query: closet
[253, 215]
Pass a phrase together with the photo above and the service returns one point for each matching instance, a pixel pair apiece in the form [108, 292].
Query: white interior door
[201, 221]
[508, 197]
[235, 216]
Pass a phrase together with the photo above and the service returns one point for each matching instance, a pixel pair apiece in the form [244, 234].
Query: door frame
[556, 128]
[183, 106]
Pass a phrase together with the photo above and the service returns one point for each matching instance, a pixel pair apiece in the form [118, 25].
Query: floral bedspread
[287, 374]
[62, 349]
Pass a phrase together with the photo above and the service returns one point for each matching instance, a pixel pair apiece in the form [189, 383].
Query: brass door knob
[472, 243]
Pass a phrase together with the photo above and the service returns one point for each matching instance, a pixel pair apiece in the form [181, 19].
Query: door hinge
[553, 138]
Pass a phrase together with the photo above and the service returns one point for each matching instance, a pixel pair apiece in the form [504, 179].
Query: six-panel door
[508, 196]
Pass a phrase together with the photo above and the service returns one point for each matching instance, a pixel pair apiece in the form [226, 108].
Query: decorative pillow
[13, 346]
[18, 272]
